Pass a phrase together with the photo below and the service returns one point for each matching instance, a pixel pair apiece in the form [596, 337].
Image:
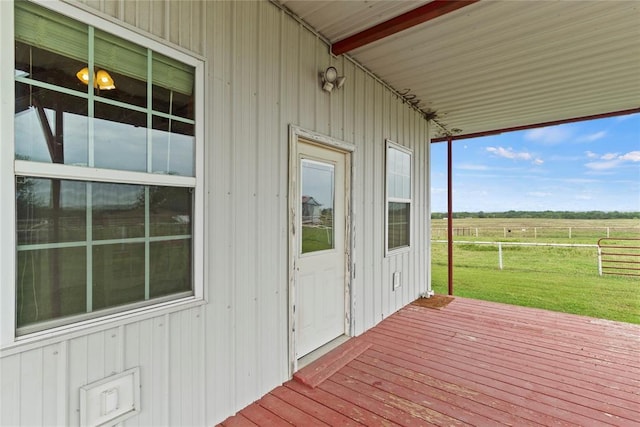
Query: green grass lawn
[559, 279]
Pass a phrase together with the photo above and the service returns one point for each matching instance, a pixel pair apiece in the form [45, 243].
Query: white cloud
[593, 136]
[591, 154]
[508, 153]
[613, 160]
[472, 167]
[549, 135]
[632, 156]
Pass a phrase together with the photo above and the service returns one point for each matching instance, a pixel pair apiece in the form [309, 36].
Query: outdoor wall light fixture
[330, 79]
[102, 79]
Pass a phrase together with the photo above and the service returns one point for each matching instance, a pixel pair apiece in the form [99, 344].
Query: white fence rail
[536, 232]
[501, 244]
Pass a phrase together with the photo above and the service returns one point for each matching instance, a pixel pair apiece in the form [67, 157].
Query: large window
[106, 161]
[398, 197]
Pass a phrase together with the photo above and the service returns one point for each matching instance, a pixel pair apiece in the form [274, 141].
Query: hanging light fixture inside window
[102, 79]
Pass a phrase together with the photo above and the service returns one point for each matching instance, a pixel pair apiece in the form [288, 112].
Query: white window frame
[9, 168]
[390, 145]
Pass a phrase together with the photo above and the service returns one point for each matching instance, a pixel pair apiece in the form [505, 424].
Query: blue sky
[583, 166]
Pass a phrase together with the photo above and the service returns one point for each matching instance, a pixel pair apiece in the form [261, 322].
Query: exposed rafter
[409, 19]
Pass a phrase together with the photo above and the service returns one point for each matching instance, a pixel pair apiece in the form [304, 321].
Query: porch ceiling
[498, 64]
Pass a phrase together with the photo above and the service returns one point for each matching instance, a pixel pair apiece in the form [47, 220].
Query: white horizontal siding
[200, 365]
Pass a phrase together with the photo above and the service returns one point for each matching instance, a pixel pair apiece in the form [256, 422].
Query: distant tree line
[542, 214]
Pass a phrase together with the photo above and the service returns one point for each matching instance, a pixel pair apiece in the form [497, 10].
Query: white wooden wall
[200, 365]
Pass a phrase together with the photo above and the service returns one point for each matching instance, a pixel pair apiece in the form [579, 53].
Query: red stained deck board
[435, 410]
[548, 340]
[547, 369]
[466, 391]
[437, 396]
[357, 413]
[577, 407]
[509, 342]
[471, 363]
[289, 412]
[321, 369]
[314, 408]
[337, 386]
[263, 417]
[238, 421]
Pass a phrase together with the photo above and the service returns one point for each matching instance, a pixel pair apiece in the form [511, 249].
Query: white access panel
[110, 400]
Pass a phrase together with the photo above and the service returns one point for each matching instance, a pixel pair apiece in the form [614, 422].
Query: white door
[320, 307]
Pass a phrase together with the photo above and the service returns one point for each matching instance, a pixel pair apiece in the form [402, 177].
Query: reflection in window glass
[317, 205]
[170, 211]
[398, 217]
[118, 274]
[173, 147]
[50, 210]
[398, 197]
[170, 267]
[89, 98]
[120, 138]
[64, 116]
[50, 283]
[117, 211]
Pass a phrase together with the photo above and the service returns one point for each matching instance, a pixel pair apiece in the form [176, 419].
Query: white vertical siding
[200, 365]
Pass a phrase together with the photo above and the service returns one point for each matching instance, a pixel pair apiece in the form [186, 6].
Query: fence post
[504, 231]
[476, 231]
[500, 255]
[607, 232]
[569, 232]
[535, 232]
[599, 260]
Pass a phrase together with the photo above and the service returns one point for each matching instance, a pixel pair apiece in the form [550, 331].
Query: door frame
[297, 135]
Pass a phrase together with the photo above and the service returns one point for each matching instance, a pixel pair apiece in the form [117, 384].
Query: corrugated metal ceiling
[499, 64]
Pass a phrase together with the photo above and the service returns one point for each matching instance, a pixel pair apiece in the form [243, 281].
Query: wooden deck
[469, 363]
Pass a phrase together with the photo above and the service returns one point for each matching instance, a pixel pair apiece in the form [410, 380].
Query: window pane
[398, 217]
[120, 138]
[118, 274]
[50, 210]
[50, 32]
[317, 205]
[173, 147]
[170, 267]
[170, 210]
[50, 126]
[117, 211]
[50, 284]
[49, 67]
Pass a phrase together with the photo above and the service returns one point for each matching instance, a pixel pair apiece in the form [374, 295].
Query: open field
[537, 229]
[554, 278]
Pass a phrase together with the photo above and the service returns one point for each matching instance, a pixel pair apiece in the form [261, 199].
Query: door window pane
[317, 205]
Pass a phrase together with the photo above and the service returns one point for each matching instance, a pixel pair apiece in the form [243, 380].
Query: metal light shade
[102, 79]
[83, 75]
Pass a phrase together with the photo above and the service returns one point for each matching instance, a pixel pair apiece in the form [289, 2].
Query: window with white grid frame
[399, 199]
[107, 149]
